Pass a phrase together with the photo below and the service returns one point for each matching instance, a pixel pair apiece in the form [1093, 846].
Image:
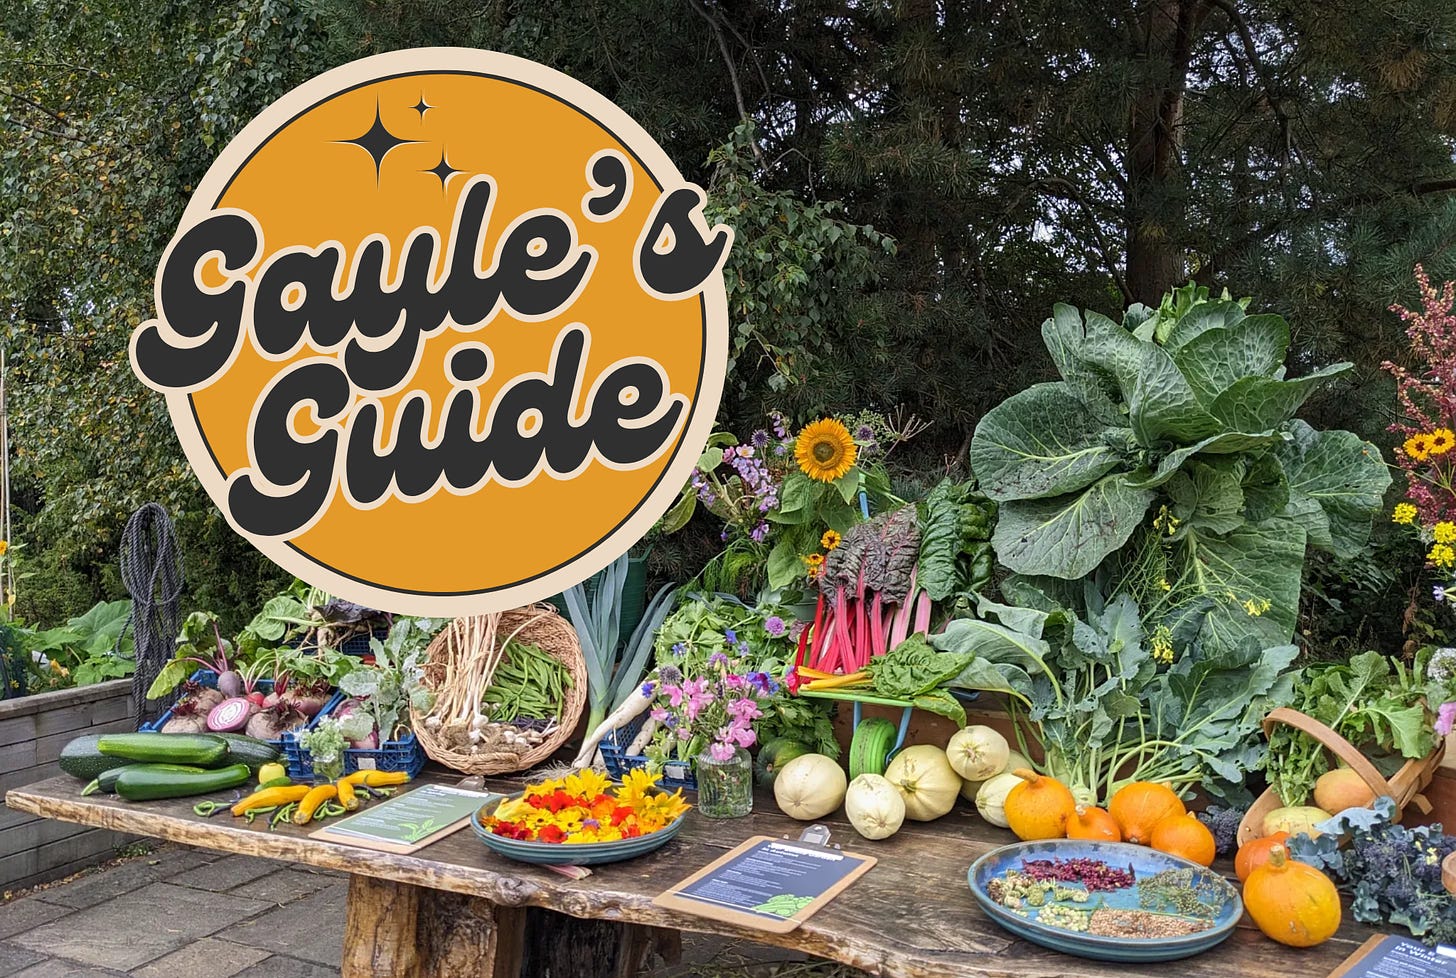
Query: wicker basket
[1404, 787]
[541, 626]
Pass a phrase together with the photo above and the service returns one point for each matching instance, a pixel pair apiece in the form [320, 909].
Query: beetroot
[187, 717]
[308, 698]
[230, 684]
[257, 699]
[274, 722]
[230, 716]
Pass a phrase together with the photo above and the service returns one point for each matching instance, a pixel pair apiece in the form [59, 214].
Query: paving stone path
[179, 912]
[175, 913]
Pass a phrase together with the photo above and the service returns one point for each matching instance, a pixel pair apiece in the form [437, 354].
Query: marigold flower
[830, 539]
[1404, 513]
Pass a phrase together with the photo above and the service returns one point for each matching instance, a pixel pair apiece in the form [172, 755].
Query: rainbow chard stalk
[865, 593]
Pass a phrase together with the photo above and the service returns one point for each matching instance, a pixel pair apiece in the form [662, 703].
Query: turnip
[370, 742]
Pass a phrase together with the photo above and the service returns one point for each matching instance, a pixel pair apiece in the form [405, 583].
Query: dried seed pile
[1106, 922]
[1094, 874]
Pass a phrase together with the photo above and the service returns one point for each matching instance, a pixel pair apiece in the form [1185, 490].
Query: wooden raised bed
[33, 729]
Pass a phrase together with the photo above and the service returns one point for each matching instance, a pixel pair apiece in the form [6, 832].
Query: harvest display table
[454, 909]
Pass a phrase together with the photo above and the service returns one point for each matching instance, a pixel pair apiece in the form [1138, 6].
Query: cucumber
[249, 750]
[106, 780]
[81, 760]
[143, 782]
[199, 749]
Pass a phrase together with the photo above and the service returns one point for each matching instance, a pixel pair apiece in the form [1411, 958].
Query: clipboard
[409, 821]
[1386, 955]
[768, 884]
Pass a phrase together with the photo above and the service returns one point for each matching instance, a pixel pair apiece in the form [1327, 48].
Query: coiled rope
[151, 569]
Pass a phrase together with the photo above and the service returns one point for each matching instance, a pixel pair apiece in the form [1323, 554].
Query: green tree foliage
[1018, 153]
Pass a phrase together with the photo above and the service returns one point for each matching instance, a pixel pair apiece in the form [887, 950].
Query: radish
[230, 716]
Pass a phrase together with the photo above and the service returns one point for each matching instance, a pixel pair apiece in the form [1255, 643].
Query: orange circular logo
[442, 331]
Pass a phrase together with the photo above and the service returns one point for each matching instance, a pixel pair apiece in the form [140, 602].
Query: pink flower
[674, 694]
[696, 693]
[659, 714]
[734, 681]
[744, 709]
[720, 751]
[1446, 718]
[744, 737]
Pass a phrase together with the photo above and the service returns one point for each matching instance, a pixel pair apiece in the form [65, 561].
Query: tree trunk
[1154, 200]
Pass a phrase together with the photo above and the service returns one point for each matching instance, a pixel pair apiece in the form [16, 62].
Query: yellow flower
[1165, 585]
[824, 450]
[1442, 441]
[587, 782]
[1255, 607]
[830, 539]
[1442, 555]
[4, 546]
[1419, 447]
[1444, 532]
[1163, 644]
[1404, 513]
[636, 783]
[660, 810]
[813, 561]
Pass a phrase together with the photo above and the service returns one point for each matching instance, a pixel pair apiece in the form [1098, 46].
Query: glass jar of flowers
[705, 711]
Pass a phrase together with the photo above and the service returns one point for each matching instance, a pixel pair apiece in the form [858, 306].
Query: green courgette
[201, 750]
[106, 780]
[143, 782]
[249, 750]
[81, 760]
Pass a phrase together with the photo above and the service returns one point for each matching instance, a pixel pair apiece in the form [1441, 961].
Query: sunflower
[1419, 446]
[1442, 441]
[824, 450]
[830, 539]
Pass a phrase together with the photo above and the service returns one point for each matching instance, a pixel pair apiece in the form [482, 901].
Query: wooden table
[455, 909]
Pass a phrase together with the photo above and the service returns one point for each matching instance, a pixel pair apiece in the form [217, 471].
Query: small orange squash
[1184, 835]
[1039, 807]
[1140, 806]
[1292, 903]
[1093, 823]
[1255, 853]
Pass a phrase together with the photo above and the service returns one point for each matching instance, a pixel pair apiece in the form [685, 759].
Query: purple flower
[678, 649]
[760, 438]
[1438, 592]
[720, 751]
[759, 532]
[864, 433]
[730, 636]
[780, 424]
[717, 659]
[670, 674]
[774, 625]
[647, 688]
[1446, 718]
[761, 680]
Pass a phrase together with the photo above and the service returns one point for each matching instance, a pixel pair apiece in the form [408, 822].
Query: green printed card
[409, 821]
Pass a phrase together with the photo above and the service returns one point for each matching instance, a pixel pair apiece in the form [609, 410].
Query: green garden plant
[1168, 463]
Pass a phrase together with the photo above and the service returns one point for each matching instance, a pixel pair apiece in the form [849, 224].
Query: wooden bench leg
[381, 918]
[558, 946]
[403, 931]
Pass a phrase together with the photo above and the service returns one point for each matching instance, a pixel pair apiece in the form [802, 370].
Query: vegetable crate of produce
[508, 691]
[405, 754]
[1403, 788]
[616, 754]
[201, 700]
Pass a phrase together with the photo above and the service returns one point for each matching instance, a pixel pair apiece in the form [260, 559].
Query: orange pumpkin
[1039, 807]
[1093, 823]
[1292, 903]
[1184, 835]
[1140, 806]
[1255, 853]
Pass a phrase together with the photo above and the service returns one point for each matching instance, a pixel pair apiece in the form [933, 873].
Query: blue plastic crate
[356, 645]
[285, 747]
[405, 754]
[675, 774]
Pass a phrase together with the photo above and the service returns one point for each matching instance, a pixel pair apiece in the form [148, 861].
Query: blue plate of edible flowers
[1130, 911]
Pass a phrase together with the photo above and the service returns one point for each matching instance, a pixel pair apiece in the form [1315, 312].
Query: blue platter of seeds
[1219, 906]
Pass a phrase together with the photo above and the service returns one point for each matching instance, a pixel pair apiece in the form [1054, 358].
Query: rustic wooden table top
[912, 915]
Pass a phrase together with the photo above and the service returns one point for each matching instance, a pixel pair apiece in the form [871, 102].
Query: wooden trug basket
[1404, 787]
[538, 625]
